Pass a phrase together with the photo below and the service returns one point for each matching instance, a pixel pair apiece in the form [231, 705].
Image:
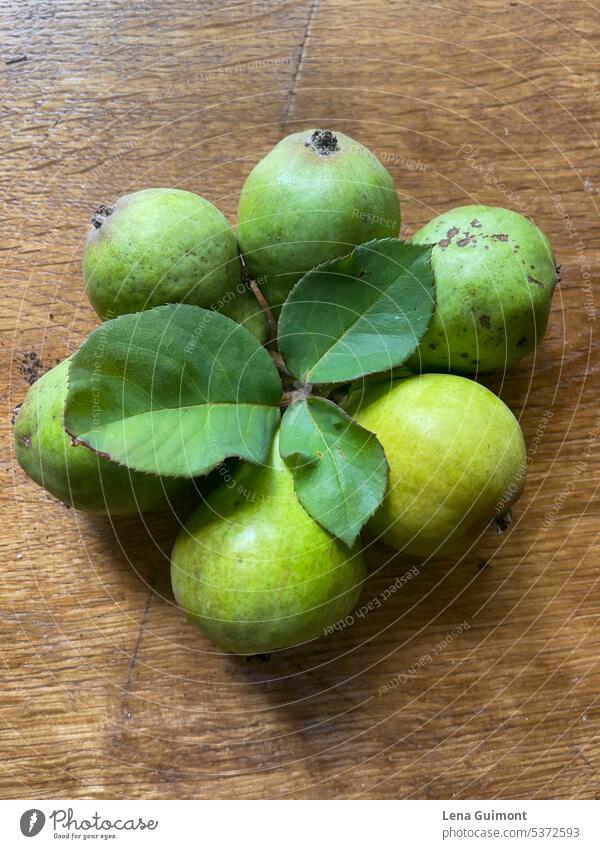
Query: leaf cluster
[178, 389]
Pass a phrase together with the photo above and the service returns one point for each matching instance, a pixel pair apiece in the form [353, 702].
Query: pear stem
[298, 394]
[267, 311]
[278, 360]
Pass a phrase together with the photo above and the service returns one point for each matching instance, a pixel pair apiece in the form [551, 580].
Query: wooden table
[106, 691]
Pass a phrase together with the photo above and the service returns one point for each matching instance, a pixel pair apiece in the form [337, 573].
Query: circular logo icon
[32, 822]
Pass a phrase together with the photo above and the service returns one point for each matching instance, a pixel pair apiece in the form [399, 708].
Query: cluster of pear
[251, 568]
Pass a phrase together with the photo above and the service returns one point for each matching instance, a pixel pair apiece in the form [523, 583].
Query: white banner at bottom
[301, 824]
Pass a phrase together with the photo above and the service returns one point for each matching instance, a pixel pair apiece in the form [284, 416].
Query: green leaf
[360, 314]
[173, 391]
[340, 470]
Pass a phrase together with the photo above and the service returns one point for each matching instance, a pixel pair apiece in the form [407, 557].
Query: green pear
[312, 198]
[456, 459]
[255, 572]
[73, 473]
[495, 273]
[165, 246]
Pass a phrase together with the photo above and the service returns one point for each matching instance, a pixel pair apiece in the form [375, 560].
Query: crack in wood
[136, 648]
[292, 92]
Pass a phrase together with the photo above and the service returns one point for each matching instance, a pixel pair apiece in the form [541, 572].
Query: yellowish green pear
[456, 459]
[255, 572]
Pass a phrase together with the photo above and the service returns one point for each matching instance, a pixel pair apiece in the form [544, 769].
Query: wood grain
[106, 691]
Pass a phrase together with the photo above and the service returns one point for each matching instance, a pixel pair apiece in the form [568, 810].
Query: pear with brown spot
[495, 274]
